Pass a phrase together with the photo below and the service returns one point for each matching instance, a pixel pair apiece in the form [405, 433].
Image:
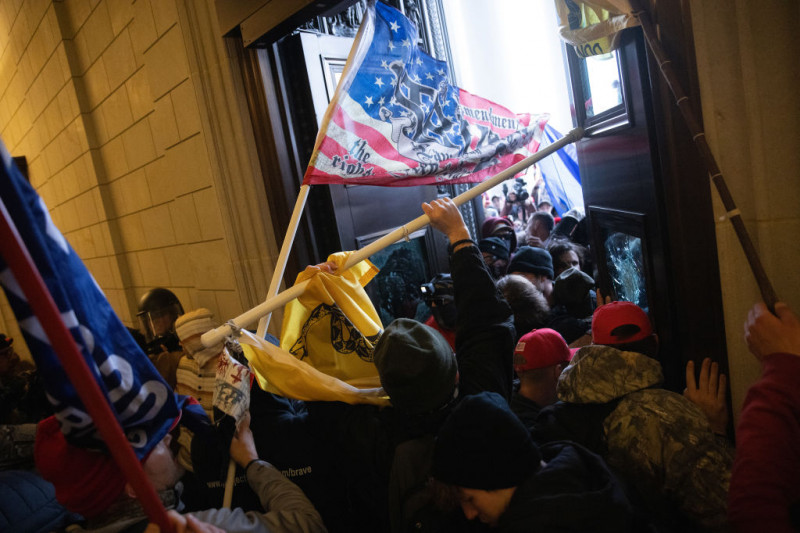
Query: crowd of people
[527, 402]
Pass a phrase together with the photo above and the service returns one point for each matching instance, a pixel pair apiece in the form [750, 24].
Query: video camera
[519, 191]
[439, 295]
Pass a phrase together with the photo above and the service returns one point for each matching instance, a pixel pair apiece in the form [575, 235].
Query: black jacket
[358, 442]
[574, 492]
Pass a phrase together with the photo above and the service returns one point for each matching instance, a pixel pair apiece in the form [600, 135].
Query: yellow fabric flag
[593, 26]
[333, 326]
[280, 372]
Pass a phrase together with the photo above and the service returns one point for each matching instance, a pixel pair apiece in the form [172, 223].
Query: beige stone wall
[749, 76]
[102, 98]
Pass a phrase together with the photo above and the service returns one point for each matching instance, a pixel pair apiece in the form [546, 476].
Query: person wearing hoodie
[485, 462]
[670, 450]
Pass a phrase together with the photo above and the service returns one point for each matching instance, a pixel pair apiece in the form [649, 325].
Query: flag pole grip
[18, 259]
[248, 317]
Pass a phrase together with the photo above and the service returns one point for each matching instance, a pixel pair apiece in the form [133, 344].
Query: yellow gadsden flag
[327, 340]
[333, 326]
[279, 372]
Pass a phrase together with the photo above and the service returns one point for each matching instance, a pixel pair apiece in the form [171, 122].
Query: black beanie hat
[416, 366]
[483, 445]
[572, 287]
[494, 245]
[533, 260]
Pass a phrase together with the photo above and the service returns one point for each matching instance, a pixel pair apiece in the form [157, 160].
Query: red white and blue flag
[397, 120]
[144, 404]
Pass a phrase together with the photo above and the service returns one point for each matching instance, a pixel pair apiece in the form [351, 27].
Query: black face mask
[498, 268]
[445, 315]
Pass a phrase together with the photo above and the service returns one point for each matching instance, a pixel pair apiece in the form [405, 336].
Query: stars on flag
[384, 64]
[391, 45]
[429, 76]
[394, 26]
[378, 81]
[368, 101]
[381, 101]
[406, 43]
[419, 62]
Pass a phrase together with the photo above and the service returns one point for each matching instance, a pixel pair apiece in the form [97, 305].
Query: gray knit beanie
[416, 366]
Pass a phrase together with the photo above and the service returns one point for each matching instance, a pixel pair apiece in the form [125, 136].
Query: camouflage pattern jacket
[659, 442]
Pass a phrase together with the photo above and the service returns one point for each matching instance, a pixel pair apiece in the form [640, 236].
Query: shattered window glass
[395, 290]
[626, 268]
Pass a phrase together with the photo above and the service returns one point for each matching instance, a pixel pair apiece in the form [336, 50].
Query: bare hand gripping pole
[216, 335]
[699, 138]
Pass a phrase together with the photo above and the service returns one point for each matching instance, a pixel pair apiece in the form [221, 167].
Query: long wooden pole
[699, 138]
[248, 317]
[16, 255]
[286, 247]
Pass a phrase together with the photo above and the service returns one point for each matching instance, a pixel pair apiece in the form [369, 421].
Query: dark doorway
[630, 198]
[302, 70]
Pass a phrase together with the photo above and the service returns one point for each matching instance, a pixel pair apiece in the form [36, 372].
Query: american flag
[144, 404]
[397, 120]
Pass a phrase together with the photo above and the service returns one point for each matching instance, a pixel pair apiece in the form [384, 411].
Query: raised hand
[446, 217]
[602, 300]
[708, 393]
[243, 447]
[766, 333]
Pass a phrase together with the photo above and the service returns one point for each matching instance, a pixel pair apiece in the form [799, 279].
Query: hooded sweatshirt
[575, 491]
[659, 442]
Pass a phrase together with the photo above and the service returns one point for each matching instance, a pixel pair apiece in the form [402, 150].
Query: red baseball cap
[541, 348]
[608, 320]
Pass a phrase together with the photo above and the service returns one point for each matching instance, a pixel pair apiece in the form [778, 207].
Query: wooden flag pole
[248, 317]
[699, 138]
[230, 479]
[16, 255]
[277, 276]
[283, 257]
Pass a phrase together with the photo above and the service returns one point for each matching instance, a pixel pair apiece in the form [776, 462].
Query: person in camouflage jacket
[659, 442]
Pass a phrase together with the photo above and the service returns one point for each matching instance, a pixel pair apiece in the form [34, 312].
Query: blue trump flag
[144, 404]
[562, 178]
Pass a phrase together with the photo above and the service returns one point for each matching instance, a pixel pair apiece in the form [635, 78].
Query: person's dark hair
[526, 301]
[545, 218]
[557, 249]
[647, 346]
